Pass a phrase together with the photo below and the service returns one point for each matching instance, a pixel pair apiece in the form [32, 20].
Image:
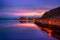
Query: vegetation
[54, 13]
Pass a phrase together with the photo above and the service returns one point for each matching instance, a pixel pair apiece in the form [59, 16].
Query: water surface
[14, 30]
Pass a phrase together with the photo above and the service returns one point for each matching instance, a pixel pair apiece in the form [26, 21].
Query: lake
[14, 30]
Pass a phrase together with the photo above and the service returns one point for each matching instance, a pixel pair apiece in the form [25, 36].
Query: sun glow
[29, 14]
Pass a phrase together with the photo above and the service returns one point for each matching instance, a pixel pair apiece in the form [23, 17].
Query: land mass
[52, 17]
[50, 22]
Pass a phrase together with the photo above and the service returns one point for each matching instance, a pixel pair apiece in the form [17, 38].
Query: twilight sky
[16, 8]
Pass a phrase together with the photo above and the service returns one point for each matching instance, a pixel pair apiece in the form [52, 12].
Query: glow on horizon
[30, 13]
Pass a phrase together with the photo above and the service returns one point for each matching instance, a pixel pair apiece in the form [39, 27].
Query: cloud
[9, 8]
[14, 12]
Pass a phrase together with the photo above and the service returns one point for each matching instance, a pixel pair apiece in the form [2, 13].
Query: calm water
[14, 30]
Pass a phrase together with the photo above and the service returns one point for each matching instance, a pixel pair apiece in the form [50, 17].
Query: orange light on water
[48, 31]
[49, 22]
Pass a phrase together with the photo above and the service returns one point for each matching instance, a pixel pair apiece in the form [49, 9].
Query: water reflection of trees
[25, 20]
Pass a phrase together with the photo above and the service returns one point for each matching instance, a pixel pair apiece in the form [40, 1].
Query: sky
[17, 8]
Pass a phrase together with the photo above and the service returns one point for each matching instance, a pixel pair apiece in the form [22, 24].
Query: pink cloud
[29, 13]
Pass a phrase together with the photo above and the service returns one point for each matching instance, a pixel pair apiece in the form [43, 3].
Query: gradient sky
[15, 8]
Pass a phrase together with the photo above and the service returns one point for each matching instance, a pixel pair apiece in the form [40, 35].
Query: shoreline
[52, 30]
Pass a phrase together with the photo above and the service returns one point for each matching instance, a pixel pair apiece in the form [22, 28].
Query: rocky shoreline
[52, 30]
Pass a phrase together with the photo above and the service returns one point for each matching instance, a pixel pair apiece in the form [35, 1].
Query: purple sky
[8, 7]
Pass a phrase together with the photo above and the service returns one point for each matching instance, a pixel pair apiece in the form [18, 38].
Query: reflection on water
[25, 21]
[14, 30]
